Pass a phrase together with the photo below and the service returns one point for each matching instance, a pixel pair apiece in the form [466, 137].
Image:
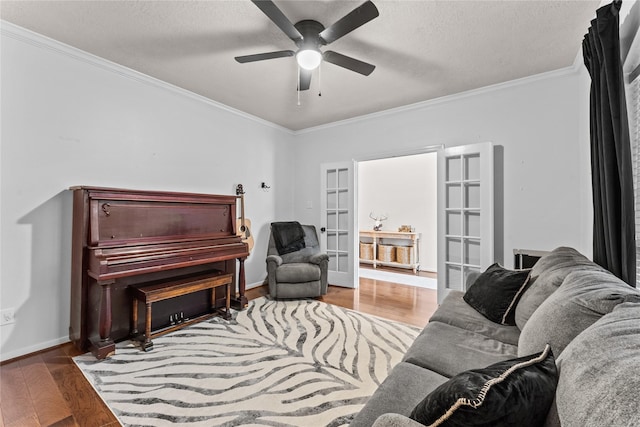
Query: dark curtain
[612, 178]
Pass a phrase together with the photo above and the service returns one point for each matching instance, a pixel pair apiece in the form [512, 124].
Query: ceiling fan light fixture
[309, 59]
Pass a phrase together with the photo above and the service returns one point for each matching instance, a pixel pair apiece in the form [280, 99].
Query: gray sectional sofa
[590, 319]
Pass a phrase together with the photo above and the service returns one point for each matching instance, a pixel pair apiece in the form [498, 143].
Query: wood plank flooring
[47, 389]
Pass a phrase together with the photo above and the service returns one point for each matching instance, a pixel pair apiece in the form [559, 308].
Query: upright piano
[124, 238]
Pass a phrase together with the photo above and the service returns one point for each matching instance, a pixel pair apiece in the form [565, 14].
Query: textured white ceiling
[422, 49]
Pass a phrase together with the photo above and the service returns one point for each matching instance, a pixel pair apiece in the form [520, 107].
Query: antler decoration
[378, 220]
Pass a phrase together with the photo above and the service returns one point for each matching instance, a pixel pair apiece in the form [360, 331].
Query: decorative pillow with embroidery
[495, 293]
[517, 392]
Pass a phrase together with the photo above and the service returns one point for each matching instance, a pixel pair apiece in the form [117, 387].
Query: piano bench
[160, 291]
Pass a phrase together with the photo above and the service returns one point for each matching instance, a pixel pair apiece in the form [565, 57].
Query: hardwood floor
[47, 389]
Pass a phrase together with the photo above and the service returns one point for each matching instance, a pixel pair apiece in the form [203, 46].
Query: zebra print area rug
[277, 363]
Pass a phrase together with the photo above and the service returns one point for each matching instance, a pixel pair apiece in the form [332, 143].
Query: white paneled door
[465, 214]
[337, 232]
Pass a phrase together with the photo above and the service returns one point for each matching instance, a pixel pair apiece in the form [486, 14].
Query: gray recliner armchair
[296, 268]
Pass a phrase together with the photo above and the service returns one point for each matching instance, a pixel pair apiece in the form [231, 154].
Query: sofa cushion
[310, 236]
[405, 386]
[495, 292]
[598, 373]
[301, 256]
[449, 350]
[297, 272]
[583, 298]
[546, 276]
[297, 290]
[456, 312]
[395, 420]
[516, 392]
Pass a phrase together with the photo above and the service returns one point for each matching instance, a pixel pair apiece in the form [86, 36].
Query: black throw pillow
[517, 392]
[496, 292]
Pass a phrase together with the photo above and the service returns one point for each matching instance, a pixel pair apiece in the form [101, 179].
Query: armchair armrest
[318, 258]
[395, 420]
[274, 259]
[273, 262]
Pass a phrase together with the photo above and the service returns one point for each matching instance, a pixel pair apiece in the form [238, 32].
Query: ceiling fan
[310, 35]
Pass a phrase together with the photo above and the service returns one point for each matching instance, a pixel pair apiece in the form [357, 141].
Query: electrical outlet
[7, 316]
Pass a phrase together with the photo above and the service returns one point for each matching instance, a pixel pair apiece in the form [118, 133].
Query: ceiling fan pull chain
[298, 86]
[320, 79]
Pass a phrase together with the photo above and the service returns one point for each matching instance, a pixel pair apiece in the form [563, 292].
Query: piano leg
[241, 302]
[147, 344]
[104, 347]
[134, 318]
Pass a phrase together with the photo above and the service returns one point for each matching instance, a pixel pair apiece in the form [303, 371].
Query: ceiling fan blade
[348, 62]
[278, 18]
[263, 56]
[354, 19]
[305, 79]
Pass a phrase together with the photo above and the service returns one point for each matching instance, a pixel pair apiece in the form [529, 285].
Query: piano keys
[123, 238]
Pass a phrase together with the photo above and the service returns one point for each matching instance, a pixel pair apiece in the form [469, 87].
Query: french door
[337, 232]
[465, 214]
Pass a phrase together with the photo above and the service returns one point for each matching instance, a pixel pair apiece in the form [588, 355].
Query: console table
[383, 237]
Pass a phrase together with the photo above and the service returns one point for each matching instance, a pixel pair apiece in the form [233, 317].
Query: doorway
[464, 212]
[401, 193]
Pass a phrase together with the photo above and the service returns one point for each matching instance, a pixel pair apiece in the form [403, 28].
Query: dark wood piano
[129, 238]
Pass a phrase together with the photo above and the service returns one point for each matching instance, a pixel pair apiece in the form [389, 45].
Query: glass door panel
[465, 214]
[338, 209]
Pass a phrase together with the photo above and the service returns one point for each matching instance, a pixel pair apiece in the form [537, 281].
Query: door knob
[322, 230]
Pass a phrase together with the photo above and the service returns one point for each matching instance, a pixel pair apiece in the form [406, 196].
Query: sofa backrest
[582, 299]
[591, 319]
[598, 374]
[311, 242]
[546, 276]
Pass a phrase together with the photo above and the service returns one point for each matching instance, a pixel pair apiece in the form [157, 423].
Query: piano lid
[119, 217]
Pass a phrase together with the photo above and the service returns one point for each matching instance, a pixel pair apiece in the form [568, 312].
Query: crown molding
[43, 42]
[573, 69]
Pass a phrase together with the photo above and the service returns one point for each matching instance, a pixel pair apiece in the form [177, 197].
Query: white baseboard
[254, 285]
[404, 279]
[4, 356]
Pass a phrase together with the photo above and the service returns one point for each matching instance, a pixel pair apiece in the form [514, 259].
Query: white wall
[403, 188]
[539, 123]
[70, 119]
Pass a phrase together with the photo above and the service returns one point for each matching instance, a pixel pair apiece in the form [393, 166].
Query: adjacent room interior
[402, 190]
